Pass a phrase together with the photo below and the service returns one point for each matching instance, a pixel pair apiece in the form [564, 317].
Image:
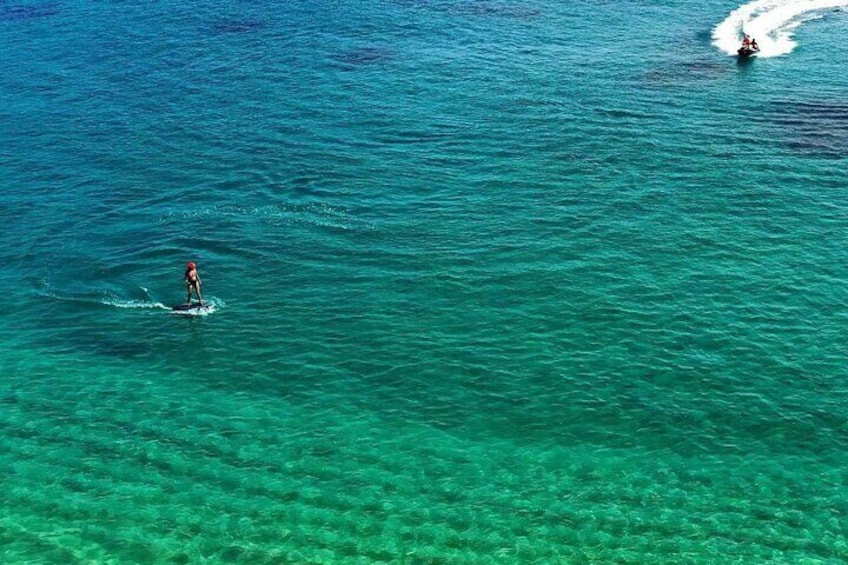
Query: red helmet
[191, 265]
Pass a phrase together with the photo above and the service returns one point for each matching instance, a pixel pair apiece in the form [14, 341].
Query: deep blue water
[493, 282]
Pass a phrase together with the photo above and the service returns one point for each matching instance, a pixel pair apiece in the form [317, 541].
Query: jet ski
[748, 48]
[746, 51]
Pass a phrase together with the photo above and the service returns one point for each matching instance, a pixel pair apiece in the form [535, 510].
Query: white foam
[121, 303]
[771, 22]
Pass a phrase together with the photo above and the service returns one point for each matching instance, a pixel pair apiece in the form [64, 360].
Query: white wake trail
[122, 303]
[771, 22]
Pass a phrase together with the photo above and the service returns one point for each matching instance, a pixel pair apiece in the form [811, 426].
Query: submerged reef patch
[18, 12]
[363, 56]
[818, 128]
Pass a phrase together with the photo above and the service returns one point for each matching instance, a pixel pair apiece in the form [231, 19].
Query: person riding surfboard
[193, 282]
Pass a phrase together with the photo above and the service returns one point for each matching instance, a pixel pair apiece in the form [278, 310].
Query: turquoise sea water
[494, 282]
